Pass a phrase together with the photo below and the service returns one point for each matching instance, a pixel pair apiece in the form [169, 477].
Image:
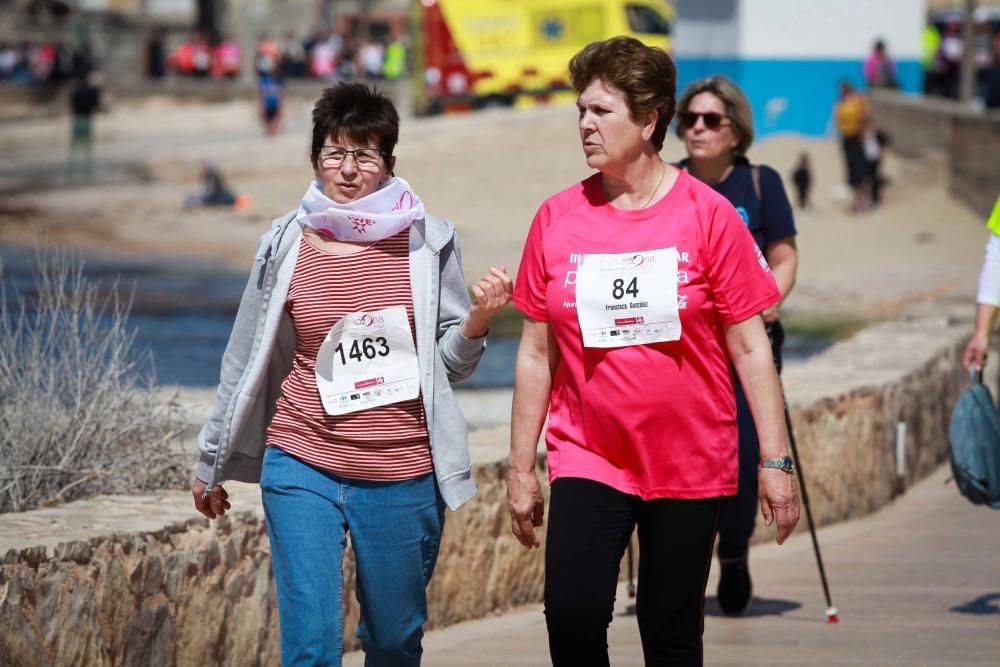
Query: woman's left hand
[492, 292]
[779, 500]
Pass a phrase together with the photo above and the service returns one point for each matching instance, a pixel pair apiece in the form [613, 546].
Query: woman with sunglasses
[335, 393]
[640, 286]
[716, 124]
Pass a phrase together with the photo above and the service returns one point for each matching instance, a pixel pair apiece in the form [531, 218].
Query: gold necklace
[663, 172]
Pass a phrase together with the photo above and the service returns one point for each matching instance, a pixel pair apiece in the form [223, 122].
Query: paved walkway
[917, 583]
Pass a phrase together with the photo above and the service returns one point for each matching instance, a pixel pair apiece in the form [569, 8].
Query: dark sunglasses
[713, 120]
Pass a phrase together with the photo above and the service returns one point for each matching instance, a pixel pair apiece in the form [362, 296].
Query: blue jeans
[395, 531]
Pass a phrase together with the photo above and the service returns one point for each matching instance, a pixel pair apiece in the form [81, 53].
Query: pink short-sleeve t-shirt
[655, 420]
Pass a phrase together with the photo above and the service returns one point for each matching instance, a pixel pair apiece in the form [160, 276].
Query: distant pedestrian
[85, 101]
[226, 59]
[948, 59]
[715, 122]
[271, 95]
[347, 66]
[63, 66]
[293, 56]
[23, 71]
[879, 68]
[156, 55]
[395, 60]
[989, 78]
[201, 57]
[267, 58]
[851, 112]
[323, 57]
[371, 56]
[8, 61]
[872, 141]
[42, 58]
[802, 178]
[214, 191]
[931, 42]
[988, 298]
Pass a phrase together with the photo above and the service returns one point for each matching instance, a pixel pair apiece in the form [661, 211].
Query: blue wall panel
[790, 95]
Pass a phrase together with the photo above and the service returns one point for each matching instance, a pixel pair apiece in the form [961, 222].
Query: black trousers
[589, 527]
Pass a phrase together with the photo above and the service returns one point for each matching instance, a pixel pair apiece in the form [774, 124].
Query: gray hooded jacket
[262, 345]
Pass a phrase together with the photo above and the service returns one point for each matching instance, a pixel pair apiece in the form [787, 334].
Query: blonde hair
[736, 102]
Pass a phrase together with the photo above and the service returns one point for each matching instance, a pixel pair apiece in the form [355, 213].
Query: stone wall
[186, 594]
[971, 140]
[135, 583]
[192, 592]
[975, 161]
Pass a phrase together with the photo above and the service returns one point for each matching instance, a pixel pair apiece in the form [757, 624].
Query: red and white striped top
[384, 443]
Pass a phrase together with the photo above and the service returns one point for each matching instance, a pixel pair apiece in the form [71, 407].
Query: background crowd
[331, 55]
[47, 62]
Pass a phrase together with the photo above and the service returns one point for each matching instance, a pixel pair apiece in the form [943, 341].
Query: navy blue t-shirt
[768, 217]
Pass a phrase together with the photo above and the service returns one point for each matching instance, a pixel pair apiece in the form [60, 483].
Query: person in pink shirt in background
[879, 68]
[226, 59]
[640, 285]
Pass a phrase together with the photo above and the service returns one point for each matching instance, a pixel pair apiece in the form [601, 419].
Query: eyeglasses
[332, 157]
[712, 119]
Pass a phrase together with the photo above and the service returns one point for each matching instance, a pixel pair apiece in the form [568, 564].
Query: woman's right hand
[215, 505]
[525, 504]
[975, 352]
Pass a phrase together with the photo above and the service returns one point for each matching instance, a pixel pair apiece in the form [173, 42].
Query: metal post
[967, 82]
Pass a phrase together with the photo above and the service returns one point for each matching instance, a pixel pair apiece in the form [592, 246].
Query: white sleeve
[989, 278]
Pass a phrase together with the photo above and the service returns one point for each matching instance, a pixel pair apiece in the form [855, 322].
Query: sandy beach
[487, 171]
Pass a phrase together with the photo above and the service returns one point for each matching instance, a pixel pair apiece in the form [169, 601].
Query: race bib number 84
[628, 299]
[368, 359]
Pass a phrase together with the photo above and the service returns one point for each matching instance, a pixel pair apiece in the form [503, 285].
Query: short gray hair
[737, 107]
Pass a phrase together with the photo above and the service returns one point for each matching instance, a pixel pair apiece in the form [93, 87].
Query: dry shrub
[77, 417]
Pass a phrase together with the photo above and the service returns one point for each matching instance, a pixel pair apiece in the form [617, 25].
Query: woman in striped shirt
[335, 390]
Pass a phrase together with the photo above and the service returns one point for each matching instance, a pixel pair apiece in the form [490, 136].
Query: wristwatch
[785, 463]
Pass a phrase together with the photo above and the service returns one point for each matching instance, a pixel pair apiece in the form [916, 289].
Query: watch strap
[784, 463]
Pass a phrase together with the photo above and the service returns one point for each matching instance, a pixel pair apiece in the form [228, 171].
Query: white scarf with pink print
[384, 213]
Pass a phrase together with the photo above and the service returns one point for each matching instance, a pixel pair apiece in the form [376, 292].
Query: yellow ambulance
[470, 54]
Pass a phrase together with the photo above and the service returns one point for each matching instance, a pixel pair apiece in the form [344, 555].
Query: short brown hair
[645, 74]
[357, 112]
[737, 107]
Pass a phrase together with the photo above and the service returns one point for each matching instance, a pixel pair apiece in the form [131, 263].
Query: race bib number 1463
[368, 359]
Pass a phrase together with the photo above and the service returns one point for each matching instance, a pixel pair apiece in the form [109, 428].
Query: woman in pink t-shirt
[640, 286]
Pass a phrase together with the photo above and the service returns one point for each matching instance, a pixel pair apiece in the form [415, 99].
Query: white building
[790, 55]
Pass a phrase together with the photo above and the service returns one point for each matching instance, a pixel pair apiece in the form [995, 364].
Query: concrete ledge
[139, 581]
[848, 401]
[970, 137]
